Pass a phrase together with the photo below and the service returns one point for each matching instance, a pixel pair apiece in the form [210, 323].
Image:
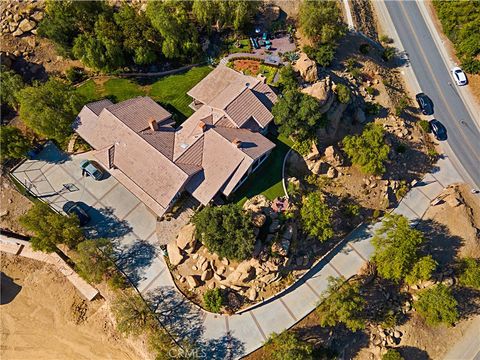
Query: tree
[93, 259]
[315, 216]
[396, 247]
[287, 78]
[11, 83]
[297, 114]
[342, 303]
[13, 144]
[213, 300]
[368, 150]
[470, 273]
[392, 354]
[437, 305]
[226, 230]
[49, 109]
[133, 315]
[50, 228]
[343, 93]
[171, 19]
[287, 346]
[160, 343]
[422, 270]
[321, 24]
[323, 54]
[65, 20]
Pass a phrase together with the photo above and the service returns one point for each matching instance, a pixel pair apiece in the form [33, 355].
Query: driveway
[115, 212]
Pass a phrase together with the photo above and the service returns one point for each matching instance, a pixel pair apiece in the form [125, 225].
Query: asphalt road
[435, 80]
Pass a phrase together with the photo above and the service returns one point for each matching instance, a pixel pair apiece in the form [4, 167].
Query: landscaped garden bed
[253, 67]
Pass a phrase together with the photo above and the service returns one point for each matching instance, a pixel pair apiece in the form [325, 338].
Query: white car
[459, 76]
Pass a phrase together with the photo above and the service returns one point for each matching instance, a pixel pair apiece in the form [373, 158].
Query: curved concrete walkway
[221, 337]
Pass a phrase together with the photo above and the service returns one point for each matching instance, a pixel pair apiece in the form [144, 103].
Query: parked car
[76, 208]
[459, 76]
[425, 103]
[91, 168]
[438, 130]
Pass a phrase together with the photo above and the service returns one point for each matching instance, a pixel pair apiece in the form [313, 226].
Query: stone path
[234, 336]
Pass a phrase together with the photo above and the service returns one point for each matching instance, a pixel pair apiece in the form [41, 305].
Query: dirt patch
[12, 206]
[43, 317]
[364, 18]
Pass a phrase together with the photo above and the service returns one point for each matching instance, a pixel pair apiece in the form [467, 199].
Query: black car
[76, 208]
[425, 103]
[438, 130]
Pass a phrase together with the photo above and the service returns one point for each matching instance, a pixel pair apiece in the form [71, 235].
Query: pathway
[234, 336]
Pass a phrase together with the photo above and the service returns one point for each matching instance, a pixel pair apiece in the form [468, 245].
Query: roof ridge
[233, 145]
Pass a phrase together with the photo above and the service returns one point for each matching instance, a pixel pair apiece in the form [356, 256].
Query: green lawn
[267, 180]
[170, 91]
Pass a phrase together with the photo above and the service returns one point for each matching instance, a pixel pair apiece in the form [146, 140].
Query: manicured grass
[170, 91]
[245, 47]
[267, 180]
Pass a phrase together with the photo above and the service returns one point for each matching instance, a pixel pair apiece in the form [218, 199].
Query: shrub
[132, 314]
[402, 190]
[437, 305]
[422, 270]
[287, 78]
[50, 228]
[92, 259]
[388, 53]
[342, 303]
[424, 125]
[470, 273]
[315, 216]
[213, 300]
[12, 83]
[372, 108]
[401, 106]
[287, 346]
[376, 213]
[343, 93]
[356, 73]
[401, 148]
[75, 74]
[352, 210]
[226, 230]
[364, 49]
[321, 24]
[432, 153]
[396, 247]
[323, 54]
[392, 354]
[385, 39]
[370, 90]
[368, 150]
[302, 147]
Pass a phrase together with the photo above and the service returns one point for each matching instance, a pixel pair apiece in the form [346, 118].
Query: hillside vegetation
[461, 23]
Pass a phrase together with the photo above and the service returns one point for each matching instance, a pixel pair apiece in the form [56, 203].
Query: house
[211, 153]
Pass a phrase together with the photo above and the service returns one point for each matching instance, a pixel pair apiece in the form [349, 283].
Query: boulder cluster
[21, 18]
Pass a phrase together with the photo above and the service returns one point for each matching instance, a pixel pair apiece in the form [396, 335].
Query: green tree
[93, 260]
[323, 54]
[171, 19]
[470, 273]
[422, 270]
[13, 145]
[161, 344]
[50, 228]
[342, 303]
[133, 315]
[392, 354]
[315, 216]
[368, 150]
[321, 24]
[50, 109]
[287, 346]
[226, 230]
[343, 93]
[437, 305]
[213, 300]
[65, 20]
[396, 247]
[297, 114]
[287, 78]
[206, 12]
[10, 84]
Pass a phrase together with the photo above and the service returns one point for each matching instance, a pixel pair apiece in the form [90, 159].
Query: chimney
[202, 126]
[153, 124]
[236, 142]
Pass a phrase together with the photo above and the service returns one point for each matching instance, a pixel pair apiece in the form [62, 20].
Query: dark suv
[438, 130]
[425, 104]
[76, 209]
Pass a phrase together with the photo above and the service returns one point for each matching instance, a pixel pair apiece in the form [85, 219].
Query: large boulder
[307, 68]
[27, 25]
[333, 156]
[207, 275]
[256, 203]
[258, 219]
[174, 254]
[186, 237]
[322, 91]
[192, 281]
[320, 168]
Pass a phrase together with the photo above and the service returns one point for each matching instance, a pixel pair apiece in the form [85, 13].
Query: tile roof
[252, 144]
[98, 106]
[246, 106]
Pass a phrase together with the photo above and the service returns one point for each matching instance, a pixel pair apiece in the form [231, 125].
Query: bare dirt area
[43, 317]
[12, 206]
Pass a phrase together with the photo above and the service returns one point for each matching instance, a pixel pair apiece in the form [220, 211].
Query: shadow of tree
[10, 289]
[410, 352]
[106, 224]
[468, 301]
[185, 321]
[135, 258]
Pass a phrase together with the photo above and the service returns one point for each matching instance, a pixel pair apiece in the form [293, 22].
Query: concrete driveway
[115, 212]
